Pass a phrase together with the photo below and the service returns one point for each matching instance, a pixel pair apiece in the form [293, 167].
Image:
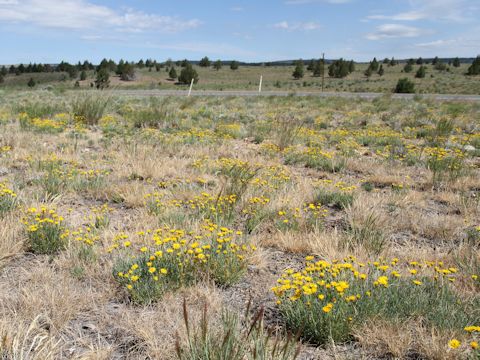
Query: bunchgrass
[235, 338]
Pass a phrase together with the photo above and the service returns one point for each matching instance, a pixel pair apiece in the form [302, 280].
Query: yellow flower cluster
[45, 229]
[5, 149]
[36, 219]
[328, 281]
[473, 344]
[7, 198]
[205, 203]
[56, 124]
[166, 256]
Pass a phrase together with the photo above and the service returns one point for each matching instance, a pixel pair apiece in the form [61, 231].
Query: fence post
[260, 85]
[190, 90]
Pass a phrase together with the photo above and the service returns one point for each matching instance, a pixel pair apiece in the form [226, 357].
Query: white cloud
[83, 15]
[237, 8]
[443, 10]
[464, 44]
[389, 31]
[304, 26]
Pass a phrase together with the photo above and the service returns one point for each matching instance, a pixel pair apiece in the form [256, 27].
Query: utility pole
[323, 72]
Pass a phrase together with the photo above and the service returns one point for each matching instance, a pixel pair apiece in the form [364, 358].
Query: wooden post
[190, 90]
[260, 85]
[323, 72]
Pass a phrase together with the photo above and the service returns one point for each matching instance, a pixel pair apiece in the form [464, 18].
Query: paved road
[160, 93]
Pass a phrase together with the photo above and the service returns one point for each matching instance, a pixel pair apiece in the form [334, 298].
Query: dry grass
[69, 305]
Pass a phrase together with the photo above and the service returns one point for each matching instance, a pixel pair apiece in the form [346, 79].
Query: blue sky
[249, 30]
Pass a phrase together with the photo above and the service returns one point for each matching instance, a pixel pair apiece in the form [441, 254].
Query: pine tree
[408, 67]
[128, 72]
[311, 65]
[205, 62]
[351, 67]
[31, 83]
[217, 65]
[83, 75]
[172, 74]
[393, 62]
[102, 80]
[318, 68]
[386, 61]
[405, 86]
[419, 61]
[341, 68]
[456, 62]
[4, 71]
[374, 65]
[187, 74]
[474, 69]
[298, 71]
[368, 72]
[435, 60]
[381, 71]
[440, 66]
[234, 65]
[420, 74]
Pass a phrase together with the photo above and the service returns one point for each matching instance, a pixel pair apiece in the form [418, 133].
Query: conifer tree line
[126, 70]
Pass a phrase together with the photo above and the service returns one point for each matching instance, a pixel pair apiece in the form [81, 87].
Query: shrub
[8, 199]
[365, 228]
[445, 164]
[234, 339]
[173, 258]
[405, 86]
[217, 65]
[408, 67]
[188, 74]
[89, 107]
[286, 129]
[158, 114]
[336, 199]
[38, 109]
[420, 74]
[46, 232]
[325, 301]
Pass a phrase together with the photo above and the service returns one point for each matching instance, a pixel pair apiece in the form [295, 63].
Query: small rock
[3, 171]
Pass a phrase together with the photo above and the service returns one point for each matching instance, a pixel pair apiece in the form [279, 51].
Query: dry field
[274, 78]
[238, 228]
